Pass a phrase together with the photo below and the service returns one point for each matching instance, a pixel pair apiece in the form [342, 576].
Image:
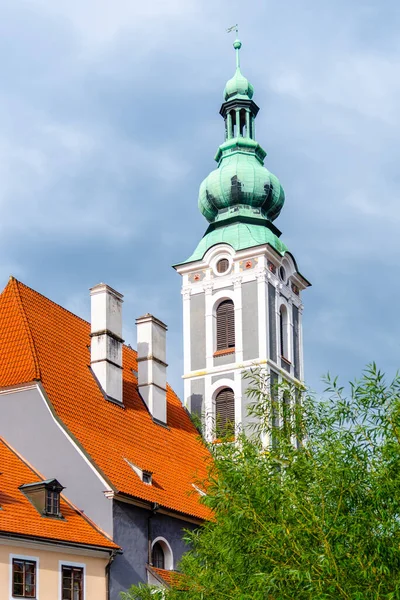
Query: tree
[312, 511]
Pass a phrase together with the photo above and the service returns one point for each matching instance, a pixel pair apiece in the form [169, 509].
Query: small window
[23, 578]
[52, 502]
[225, 325]
[146, 477]
[157, 556]
[222, 265]
[72, 583]
[225, 413]
[282, 274]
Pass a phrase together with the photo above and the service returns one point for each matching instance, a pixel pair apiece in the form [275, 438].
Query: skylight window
[145, 476]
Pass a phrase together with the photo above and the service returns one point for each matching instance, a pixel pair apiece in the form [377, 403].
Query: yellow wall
[49, 582]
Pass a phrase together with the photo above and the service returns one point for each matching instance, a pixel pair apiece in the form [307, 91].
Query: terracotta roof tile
[40, 337]
[168, 577]
[18, 516]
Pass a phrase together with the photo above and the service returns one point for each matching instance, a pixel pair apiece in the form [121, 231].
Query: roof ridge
[13, 279]
[14, 283]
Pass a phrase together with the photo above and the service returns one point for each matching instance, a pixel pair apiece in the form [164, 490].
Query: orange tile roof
[40, 339]
[19, 517]
[168, 577]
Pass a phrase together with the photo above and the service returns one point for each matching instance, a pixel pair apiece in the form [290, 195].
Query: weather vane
[233, 28]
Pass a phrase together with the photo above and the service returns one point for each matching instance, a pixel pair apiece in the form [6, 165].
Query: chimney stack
[152, 366]
[106, 342]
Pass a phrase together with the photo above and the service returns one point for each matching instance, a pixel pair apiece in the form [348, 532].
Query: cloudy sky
[109, 121]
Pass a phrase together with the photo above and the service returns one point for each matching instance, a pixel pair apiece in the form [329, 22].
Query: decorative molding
[186, 292]
[262, 274]
[208, 287]
[196, 277]
[250, 263]
[237, 281]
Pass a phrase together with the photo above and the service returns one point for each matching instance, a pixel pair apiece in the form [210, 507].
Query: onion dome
[241, 186]
[241, 181]
[238, 86]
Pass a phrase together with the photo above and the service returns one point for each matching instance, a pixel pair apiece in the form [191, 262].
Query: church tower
[241, 286]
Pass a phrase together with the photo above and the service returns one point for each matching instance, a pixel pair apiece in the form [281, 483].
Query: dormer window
[52, 502]
[45, 496]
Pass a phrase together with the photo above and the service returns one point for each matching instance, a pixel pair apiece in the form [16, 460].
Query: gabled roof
[19, 517]
[41, 340]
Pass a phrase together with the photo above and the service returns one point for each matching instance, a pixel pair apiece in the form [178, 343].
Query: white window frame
[168, 554]
[67, 563]
[23, 557]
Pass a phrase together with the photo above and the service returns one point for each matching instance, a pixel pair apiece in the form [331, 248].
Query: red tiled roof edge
[14, 284]
[165, 577]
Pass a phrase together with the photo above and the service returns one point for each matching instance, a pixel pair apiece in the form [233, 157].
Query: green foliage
[307, 509]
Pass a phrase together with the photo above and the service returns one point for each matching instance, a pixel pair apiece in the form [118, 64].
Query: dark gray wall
[215, 378]
[48, 450]
[197, 389]
[197, 332]
[250, 320]
[224, 359]
[131, 533]
[272, 322]
[296, 342]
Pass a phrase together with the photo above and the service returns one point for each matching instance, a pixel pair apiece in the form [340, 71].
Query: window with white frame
[225, 326]
[225, 413]
[161, 554]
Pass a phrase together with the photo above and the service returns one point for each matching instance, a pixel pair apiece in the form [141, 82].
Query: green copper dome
[240, 236]
[241, 179]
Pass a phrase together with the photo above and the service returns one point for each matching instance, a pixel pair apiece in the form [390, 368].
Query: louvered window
[225, 325]
[225, 413]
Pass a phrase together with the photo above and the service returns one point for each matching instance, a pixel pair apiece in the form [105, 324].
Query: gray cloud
[109, 122]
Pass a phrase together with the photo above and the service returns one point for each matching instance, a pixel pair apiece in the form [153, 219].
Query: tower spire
[237, 44]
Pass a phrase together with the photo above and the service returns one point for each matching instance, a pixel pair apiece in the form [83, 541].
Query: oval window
[222, 265]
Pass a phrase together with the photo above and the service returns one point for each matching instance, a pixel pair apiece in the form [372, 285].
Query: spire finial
[237, 44]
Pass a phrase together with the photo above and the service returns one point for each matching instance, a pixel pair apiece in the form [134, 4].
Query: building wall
[196, 405]
[197, 332]
[250, 322]
[52, 452]
[132, 527]
[48, 570]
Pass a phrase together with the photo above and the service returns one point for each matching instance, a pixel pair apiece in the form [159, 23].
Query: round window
[222, 265]
[282, 273]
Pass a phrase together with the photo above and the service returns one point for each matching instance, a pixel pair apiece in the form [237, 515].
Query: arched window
[225, 325]
[225, 413]
[157, 556]
[284, 332]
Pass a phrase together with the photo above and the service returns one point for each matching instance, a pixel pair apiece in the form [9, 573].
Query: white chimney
[106, 343]
[152, 366]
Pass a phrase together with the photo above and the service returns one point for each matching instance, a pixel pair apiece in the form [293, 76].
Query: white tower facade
[265, 289]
